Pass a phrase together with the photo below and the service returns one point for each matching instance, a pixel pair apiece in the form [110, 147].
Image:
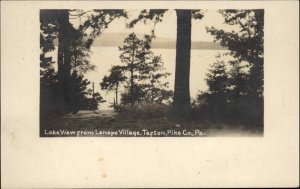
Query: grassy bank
[151, 118]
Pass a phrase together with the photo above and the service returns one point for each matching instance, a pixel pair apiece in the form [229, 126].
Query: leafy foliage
[64, 90]
[152, 73]
[197, 14]
[238, 92]
[83, 97]
[133, 54]
[113, 81]
[216, 97]
[145, 15]
[80, 57]
[217, 78]
[143, 71]
[238, 78]
[98, 21]
[245, 44]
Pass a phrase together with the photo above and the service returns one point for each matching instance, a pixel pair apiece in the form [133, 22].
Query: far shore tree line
[234, 88]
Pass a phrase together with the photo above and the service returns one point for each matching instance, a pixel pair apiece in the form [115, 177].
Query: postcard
[99, 94]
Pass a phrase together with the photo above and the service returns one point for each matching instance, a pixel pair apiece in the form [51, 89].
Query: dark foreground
[107, 123]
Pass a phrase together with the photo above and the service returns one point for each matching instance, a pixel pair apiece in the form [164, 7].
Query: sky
[167, 28]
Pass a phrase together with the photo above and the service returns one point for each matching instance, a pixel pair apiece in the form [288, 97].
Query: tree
[64, 31]
[113, 81]
[82, 97]
[134, 52]
[79, 90]
[246, 44]
[92, 101]
[181, 103]
[181, 100]
[97, 22]
[48, 76]
[151, 73]
[217, 82]
[73, 49]
[145, 72]
[48, 88]
[238, 81]
[80, 57]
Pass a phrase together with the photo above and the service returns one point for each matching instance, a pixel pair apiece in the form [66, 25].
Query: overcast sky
[167, 28]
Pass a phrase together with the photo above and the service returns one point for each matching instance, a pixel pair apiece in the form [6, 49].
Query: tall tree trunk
[181, 103]
[64, 60]
[61, 104]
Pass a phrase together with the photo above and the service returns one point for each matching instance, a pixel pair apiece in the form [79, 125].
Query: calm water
[105, 57]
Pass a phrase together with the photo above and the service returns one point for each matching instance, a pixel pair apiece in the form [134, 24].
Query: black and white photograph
[151, 72]
[149, 94]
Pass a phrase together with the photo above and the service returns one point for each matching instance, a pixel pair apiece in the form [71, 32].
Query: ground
[105, 122]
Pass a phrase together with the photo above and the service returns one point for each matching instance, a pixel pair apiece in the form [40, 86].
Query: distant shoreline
[117, 39]
[166, 47]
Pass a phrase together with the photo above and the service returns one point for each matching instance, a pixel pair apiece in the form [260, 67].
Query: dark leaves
[154, 15]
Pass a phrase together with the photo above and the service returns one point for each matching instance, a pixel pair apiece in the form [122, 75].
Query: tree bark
[64, 60]
[117, 95]
[181, 101]
[131, 77]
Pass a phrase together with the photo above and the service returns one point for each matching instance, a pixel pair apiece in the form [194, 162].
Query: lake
[105, 57]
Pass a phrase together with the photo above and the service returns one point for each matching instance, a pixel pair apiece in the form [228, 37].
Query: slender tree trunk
[117, 95]
[131, 86]
[181, 103]
[131, 77]
[152, 91]
[114, 104]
